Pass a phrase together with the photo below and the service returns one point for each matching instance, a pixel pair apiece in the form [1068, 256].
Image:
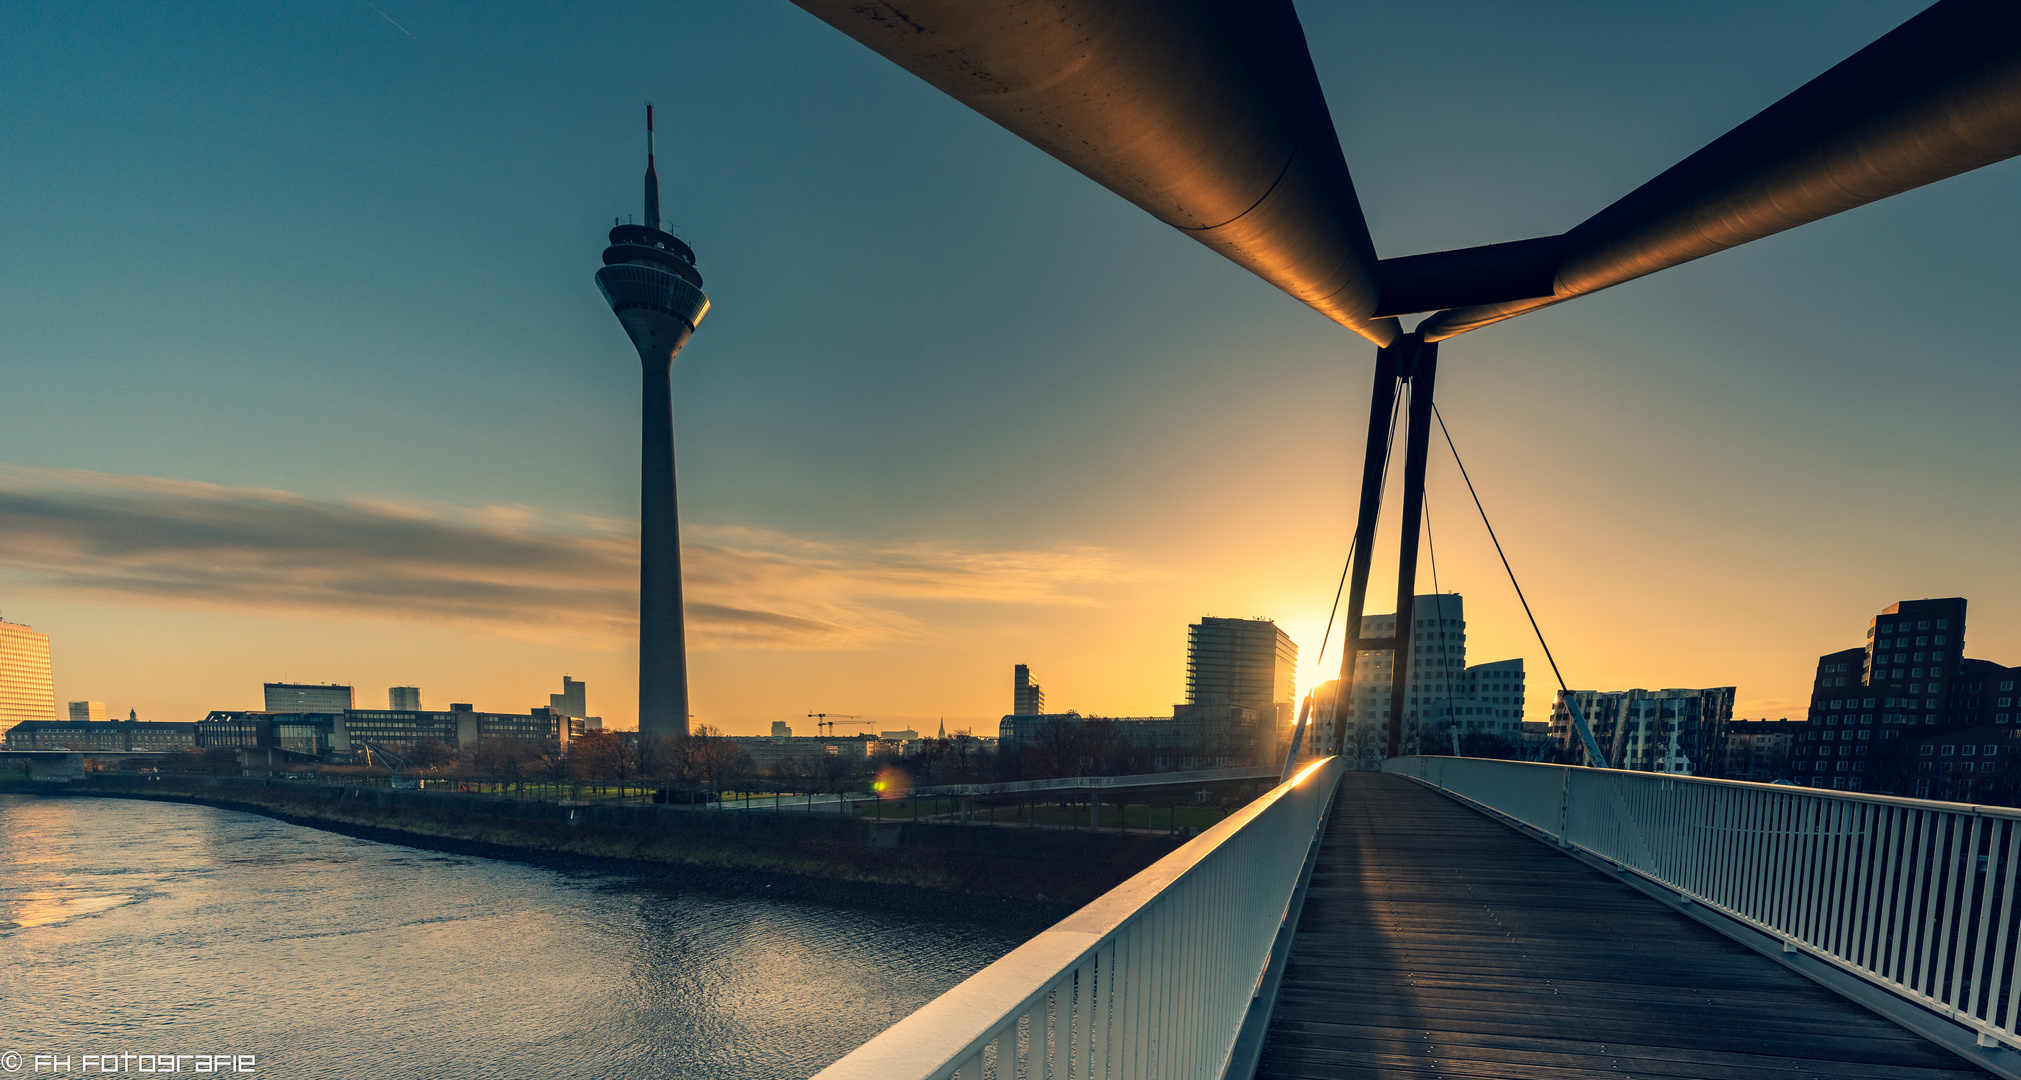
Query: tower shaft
[650, 281]
[663, 638]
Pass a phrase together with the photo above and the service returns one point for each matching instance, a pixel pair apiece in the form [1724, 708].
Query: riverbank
[1023, 875]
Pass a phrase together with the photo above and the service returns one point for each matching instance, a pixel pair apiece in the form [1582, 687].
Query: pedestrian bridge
[1455, 917]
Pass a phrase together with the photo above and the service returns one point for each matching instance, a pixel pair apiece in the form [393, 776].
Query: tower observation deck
[650, 280]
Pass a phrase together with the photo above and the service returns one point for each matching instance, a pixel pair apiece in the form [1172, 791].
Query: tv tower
[649, 277]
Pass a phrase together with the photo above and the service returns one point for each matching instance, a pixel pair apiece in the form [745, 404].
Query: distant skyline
[306, 377]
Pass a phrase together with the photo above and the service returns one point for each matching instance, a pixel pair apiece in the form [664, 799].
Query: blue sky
[955, 407]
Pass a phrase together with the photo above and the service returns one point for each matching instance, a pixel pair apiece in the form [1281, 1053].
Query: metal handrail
[1107, 783]
[1152, 979]
[1914, 896]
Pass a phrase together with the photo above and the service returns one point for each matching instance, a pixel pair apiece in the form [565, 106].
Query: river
[147, 928]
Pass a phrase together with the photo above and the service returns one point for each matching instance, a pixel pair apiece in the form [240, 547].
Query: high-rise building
[572, 701]
[1871, 707]
[1026, 697]
[1491, 699]
[307, 697]
[403, 698]
[27, 683]
[1443, 696]
[1666, 731]
[1247, 662]
[650, 280]
[85, 712]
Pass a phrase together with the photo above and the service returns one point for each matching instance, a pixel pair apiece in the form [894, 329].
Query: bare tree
[790, 774]
[713, 760]
[548, 764]
[602, 758]
[1055, 748]
[834, 774]
[428, 754]
[498, 761]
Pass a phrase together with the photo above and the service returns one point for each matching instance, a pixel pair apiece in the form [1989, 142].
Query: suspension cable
[1439, 603]
[1571, 706]
[1381, 487]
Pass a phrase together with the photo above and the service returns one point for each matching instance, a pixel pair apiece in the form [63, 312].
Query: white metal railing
[1913, 896]
[1153, 979]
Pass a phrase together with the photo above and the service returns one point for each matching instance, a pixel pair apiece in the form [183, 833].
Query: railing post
[1565, 807]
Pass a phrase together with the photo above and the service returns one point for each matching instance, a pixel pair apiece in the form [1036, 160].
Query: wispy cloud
[501, 571]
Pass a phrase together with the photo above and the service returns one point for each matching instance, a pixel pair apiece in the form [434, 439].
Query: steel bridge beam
[1935, 97]
[1205, 113]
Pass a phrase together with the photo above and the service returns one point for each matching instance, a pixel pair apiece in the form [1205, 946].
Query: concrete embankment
[1026, 873]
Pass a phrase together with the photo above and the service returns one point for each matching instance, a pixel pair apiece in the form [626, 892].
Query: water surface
[158, 928]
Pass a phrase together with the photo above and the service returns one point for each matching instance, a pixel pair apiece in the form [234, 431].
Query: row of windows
[1890, 703]
[1889, 628]
[1904, 658]
[1886, 718]
[1967, 750]
[1976, 687]
[1903, 643]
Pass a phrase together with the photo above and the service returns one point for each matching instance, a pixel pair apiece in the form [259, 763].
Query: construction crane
[822, 721]
[394, 765]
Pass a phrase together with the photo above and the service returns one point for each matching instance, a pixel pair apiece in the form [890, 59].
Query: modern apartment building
[340, 733]
[1668, 731]
[403, 698]
[307, 697]
[1874, 708]
[27, 683]
[85, 712]
[1444, 695]
[1491, 698]
[1759, 749]
[573, 699]
[1026, 697]
[1246, 662]
[1971, 764]
[132, 736]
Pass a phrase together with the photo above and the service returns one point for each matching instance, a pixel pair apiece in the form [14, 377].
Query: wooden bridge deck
[1436, 942]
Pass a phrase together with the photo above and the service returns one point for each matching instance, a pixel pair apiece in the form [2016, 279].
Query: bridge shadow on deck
[1437, 942]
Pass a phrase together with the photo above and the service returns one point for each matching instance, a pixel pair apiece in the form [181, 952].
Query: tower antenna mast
[652, 177]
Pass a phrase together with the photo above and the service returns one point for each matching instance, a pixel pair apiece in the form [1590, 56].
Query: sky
[304, 375]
